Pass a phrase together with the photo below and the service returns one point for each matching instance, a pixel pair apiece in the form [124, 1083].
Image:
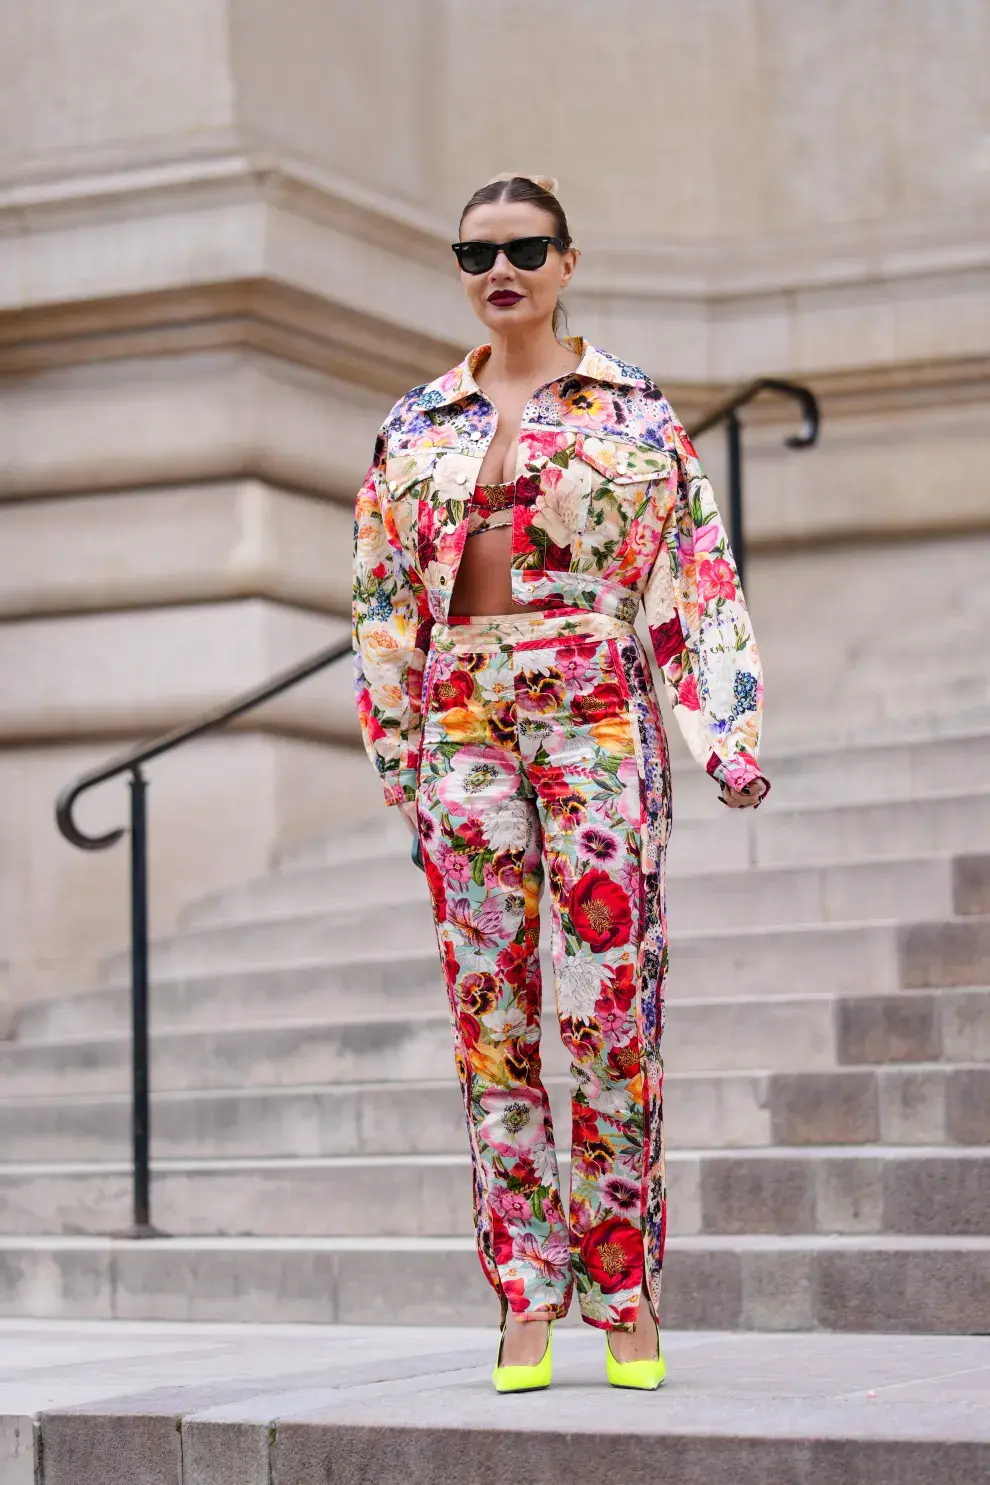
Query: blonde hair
[548, 183]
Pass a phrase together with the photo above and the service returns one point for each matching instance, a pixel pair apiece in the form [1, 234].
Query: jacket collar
[458, 383]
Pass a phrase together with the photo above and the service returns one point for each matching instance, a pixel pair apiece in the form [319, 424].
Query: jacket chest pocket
[622, 475]
[407, 475]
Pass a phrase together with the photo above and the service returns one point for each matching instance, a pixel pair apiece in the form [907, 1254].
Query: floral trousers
[544, 756]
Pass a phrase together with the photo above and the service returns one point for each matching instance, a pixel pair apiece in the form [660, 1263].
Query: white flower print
[507, 826]
[579, 984]
[558, 513]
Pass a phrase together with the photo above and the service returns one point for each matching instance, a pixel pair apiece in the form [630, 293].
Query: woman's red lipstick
[504, 296]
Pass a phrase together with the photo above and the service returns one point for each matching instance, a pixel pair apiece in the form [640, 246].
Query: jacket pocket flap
[408, 468]
[623, 462]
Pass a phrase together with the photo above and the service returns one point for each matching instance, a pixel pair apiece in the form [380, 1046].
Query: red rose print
[604, 700]
[600, 911]
[470, 1029]
[501, 1240]
[584, 1126]
[451, 968]
[623, 986]
[668, 640]
[515, 963]
[613, 1255]
[624, 1062]
[438, 889]
[452, 690]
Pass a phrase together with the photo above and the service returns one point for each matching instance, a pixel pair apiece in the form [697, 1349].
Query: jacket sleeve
[384, 633]
[701, 632]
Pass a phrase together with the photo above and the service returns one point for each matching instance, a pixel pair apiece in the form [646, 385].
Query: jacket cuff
[738, 771]
[397, 793]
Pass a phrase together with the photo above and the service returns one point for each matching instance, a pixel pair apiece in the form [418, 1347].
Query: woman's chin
[512, 317]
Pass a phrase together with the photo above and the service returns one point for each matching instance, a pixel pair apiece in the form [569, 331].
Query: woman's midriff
[483, 582]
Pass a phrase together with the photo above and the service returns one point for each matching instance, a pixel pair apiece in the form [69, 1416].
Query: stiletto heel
[645, 1375]
[522, 1378]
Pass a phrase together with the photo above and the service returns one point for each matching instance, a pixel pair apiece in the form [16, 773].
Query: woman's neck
[528, 358]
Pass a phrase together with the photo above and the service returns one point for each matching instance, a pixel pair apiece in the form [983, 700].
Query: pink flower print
[513, 1123]
[600, 844]
[622, 1195]
[687, 694]
[612, 1021]
[707, 537]
[550, 1256]
[715, 580]
[511, 1205]
[453, 866]
[482, 928]
[740, 771]
[543, 443]
[574, 663]
[629, 803]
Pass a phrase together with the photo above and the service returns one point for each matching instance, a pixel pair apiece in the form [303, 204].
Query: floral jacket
[612, 508]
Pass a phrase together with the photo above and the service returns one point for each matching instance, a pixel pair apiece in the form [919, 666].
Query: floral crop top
[491, 507]
[611, 511]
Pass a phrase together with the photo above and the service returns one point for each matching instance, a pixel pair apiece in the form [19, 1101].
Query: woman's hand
[746, 798]
[409, 815]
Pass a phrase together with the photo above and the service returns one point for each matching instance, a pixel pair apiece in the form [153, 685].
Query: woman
[517, 512]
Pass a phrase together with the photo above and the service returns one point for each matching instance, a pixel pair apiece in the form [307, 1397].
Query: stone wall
[223, 252]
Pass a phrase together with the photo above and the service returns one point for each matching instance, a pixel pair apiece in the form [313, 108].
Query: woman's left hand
[748, 797]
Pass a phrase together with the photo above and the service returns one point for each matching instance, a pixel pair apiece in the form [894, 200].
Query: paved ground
[112, 1403]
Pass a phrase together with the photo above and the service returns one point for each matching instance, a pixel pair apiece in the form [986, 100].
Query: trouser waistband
[491, 631]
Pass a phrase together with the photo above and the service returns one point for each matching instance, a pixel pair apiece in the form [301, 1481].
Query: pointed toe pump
[522, 1378]
[644, 1375]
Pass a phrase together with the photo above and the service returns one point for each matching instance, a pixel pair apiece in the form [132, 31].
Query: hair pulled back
[541, 190]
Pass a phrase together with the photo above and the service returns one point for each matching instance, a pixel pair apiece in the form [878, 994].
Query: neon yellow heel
[522, 1378]
[645, 1375]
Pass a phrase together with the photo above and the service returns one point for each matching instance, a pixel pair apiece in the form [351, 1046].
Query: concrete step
[919, 1104]
[868, 1284]
[770, 1034]
[930, 1191]
[403, 1405]
[941, 823]
[926, 888]
[295, 968]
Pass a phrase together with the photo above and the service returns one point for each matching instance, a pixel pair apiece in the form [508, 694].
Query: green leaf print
[536, 1202]
[478, 867]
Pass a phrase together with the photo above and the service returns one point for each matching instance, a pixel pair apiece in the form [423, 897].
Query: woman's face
[508, 299]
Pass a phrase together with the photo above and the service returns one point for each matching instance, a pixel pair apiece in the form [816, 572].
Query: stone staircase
[827, 1090]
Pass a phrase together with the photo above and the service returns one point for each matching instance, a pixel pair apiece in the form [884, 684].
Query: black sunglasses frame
[494, 248]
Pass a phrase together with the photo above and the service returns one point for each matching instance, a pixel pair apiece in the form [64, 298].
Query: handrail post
[140, 1101]
[733, 449]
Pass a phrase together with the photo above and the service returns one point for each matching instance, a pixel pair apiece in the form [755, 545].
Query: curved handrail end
[68, 827]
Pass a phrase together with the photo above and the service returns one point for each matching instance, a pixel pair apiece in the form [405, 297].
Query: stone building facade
[223, 253]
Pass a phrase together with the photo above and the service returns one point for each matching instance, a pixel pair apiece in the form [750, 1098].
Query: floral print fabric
[612, 511]
[544, 756]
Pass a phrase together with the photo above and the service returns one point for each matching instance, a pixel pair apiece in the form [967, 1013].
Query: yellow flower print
[613, 734]
[587, 407]
[464, 723]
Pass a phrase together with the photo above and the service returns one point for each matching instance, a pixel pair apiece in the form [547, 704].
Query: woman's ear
[568, 265]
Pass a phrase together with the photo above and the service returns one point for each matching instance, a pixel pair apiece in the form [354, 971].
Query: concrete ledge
[249, 1405]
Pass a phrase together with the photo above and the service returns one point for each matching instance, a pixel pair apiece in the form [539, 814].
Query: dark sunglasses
[526, 253]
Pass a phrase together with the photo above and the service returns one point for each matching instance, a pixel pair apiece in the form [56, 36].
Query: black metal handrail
[131, 761]
[727, 412]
